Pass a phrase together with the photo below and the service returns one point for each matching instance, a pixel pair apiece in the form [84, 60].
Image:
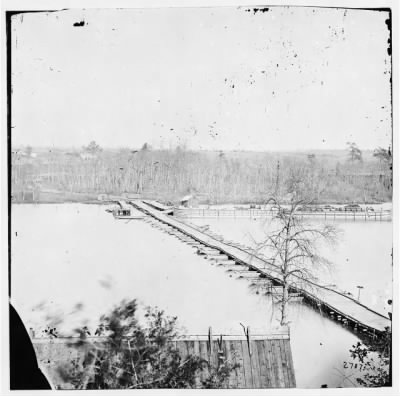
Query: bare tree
[383, 155]
[294, 248]
[355, 154]
[146, 147]
[233, 177]
[92, 148]
[28, 150]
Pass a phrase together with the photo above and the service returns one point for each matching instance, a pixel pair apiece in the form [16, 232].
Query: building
[186, 201]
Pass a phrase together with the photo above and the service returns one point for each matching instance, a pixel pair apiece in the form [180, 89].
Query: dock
[263, 361]
[338, 306]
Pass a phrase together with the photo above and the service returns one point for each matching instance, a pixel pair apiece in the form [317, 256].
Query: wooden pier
[338, 306]
[264, 361]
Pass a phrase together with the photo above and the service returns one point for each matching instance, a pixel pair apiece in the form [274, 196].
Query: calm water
[72, 262]
[362, 256]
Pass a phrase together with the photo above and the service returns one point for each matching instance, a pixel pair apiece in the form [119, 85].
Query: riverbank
[58, 196]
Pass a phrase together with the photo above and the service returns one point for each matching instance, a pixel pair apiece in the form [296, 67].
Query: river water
[73, 262]
[361, 256]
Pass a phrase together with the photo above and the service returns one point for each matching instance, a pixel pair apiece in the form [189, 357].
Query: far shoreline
[108, 201]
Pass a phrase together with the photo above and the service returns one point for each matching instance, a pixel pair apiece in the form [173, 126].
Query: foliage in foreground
[133, 356]
[374, 356]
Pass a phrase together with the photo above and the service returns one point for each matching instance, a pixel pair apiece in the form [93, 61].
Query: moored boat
[126, 213]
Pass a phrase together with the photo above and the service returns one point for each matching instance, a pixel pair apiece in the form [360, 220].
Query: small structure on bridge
[186, 200]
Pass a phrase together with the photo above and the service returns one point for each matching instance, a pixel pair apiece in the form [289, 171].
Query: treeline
[211, 177]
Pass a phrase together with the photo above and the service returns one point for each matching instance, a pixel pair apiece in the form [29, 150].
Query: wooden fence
[263, 213]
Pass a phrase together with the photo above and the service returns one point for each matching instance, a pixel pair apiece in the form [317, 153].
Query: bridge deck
[159, 206]
[332, 300]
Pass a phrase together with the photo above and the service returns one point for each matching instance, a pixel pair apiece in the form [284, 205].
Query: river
[361, 256]
[72, 262]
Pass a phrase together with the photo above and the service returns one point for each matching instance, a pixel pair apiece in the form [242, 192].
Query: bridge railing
[262, 213]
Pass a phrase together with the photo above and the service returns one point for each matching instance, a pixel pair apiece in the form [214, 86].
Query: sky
[219, 78]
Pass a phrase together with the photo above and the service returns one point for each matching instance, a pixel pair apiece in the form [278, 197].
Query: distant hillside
[214, 176]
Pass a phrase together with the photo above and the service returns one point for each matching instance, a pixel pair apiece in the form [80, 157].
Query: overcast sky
[292, 78]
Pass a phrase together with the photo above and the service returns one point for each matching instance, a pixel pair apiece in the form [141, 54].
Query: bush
[374, 357]
[133, 356]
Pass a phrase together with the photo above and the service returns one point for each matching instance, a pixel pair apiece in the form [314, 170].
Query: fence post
[210, 343]
[248, 339]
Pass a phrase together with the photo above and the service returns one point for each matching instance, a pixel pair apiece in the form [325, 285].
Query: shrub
[135, 356]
